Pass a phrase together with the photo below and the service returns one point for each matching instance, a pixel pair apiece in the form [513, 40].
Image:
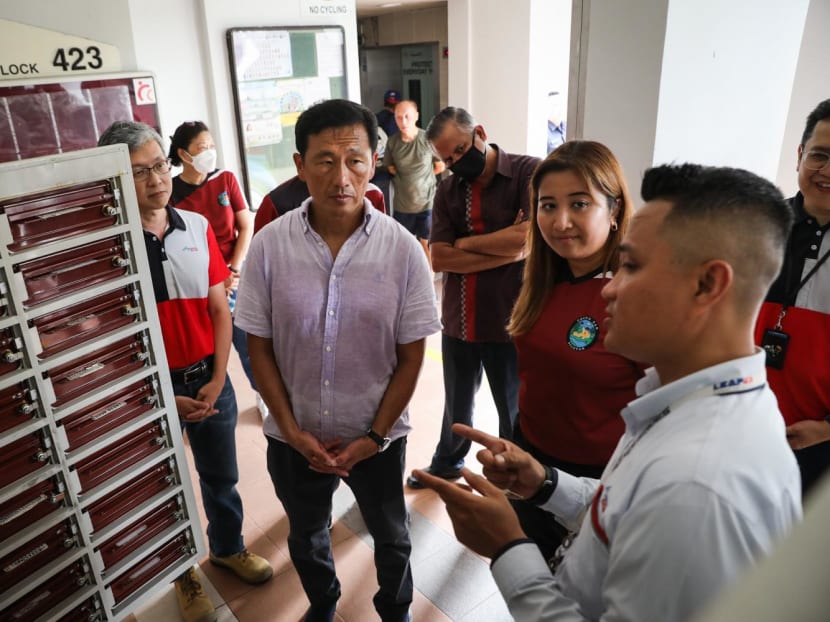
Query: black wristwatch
[548, 486]
[383, 442]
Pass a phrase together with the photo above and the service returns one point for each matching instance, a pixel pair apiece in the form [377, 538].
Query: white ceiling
[368, 8]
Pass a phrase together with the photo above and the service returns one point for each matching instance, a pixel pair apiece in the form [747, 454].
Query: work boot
[194, 604]
[247, 566]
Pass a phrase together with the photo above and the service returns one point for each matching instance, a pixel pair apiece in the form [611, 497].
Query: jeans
[417, 224]
[463, 364]
[240, 344]
[377, 483]
[213, 442]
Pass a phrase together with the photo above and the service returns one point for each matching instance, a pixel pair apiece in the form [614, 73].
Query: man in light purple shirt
[337, 300]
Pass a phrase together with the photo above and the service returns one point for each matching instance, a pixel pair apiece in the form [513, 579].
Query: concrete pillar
[688, 80]
[503, 63]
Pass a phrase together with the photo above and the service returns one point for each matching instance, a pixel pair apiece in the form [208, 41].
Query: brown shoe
[194, 604]
[247, 566]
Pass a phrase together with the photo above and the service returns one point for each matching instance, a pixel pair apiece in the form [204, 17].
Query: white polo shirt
[701, 485]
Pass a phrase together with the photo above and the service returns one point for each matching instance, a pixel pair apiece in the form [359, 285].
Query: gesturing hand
[505, 465]
[485, 523]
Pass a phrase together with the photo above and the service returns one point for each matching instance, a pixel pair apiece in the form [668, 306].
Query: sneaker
[247, 566]
[194, 604]
[413, 482]
[261, 406]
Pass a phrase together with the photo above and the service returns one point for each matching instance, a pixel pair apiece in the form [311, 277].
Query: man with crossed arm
[479, 226]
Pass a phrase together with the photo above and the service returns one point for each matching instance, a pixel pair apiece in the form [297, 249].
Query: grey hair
[450, 114]
[131, 133]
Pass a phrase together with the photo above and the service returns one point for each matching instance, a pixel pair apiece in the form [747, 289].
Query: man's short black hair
[708, 190]
[819, 113]
[724, 213]
[334, 113]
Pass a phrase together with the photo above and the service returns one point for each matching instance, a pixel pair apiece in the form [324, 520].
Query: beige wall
[405, 27]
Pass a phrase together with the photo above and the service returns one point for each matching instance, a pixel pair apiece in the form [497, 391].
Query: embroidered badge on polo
[223, 199]
[583, 333]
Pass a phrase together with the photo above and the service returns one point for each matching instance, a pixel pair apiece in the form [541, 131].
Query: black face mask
[470, 166]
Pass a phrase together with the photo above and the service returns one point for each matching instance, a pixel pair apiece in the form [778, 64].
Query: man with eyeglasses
[188, 274]
[794, 325]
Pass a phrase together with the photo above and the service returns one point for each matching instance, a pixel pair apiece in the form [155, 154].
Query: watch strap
[544, 493]
[381, 441]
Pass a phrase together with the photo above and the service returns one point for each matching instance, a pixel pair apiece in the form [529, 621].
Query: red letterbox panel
[86, 320]
[11, 351]
[139, 533]
[97, 368]
[4, 296]
[29, 506]
[58, 274]
[121, 455]
[88, 611]
[151, 566]
[24, 456]
[132, 494]
[18, 405]
[49, 594]
[96, 420]
[48, 216]
[28, 558]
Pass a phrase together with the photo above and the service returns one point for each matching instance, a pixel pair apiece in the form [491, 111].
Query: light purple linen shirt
[335, 323]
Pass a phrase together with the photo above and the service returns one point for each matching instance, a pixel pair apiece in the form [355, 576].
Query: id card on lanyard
[775, 341]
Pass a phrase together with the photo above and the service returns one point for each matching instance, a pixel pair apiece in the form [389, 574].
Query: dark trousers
[213, 443]
[463, 365]
[813, 462]
[539, 525]
[377, 484]
[417, 224]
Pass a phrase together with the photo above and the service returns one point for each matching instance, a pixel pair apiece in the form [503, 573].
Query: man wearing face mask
[478, 241]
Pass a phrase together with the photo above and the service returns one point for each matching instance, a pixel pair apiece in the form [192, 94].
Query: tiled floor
[451, 582]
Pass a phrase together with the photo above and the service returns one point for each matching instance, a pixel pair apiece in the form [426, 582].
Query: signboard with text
[31, 52]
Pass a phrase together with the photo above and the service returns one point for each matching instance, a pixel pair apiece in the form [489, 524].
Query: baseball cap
[391, 97]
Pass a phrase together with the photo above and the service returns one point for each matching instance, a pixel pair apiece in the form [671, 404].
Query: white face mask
[204, 162]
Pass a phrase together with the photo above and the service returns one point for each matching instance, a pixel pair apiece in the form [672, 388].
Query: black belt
[197, 371]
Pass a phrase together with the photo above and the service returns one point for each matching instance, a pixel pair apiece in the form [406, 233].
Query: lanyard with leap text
[775, 340]
[730, 385]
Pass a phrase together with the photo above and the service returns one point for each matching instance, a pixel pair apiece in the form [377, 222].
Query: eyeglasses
[159, 168]
[815, 160]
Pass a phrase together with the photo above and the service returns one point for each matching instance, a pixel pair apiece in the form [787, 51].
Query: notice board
[277, 72]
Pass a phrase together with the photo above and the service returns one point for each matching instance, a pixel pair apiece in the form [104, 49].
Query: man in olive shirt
[413, 165]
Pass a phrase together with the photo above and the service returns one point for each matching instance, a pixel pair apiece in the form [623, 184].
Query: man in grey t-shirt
[411, 161]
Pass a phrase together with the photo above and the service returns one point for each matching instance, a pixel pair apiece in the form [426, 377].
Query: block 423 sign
[30, 52]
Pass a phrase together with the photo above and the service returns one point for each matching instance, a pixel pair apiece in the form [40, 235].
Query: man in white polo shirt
[703, 482]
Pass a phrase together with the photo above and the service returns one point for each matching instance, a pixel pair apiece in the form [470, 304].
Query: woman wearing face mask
[215, 194]
[572, 389]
